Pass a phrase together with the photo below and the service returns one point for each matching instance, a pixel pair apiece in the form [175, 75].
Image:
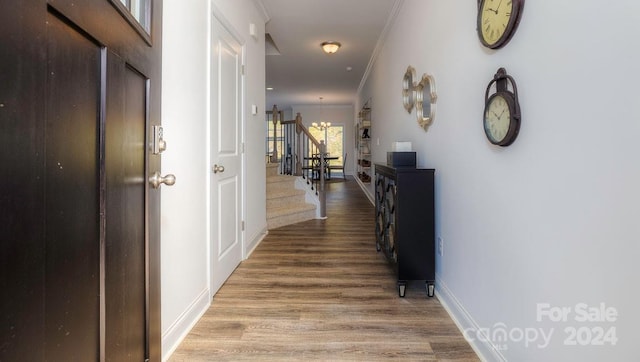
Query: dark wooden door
[79, 225]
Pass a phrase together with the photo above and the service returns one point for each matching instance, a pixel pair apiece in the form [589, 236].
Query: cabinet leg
[430, 288]
[402, 286]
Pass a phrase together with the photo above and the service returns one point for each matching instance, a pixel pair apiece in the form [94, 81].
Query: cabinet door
[379, 191]
[391, 222]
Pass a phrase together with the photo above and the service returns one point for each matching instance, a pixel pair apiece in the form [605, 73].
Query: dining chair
[339, 167]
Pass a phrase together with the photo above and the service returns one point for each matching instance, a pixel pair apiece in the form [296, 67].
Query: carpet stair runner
[285, 204]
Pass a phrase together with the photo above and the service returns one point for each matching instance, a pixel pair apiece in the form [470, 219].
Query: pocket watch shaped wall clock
[497, 21]
[407, 88]
[501, 110]
[425, 96]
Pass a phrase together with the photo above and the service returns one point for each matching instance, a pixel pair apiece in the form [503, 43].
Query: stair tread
[289, 209]
[280, 178]
[283, 192]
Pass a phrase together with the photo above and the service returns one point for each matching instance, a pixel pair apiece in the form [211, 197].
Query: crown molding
[263, 10]
[381, 40]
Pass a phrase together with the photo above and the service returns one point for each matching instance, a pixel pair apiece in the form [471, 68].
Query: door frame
[217, 15]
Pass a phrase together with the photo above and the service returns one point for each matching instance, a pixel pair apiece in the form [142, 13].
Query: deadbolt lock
[158, 143]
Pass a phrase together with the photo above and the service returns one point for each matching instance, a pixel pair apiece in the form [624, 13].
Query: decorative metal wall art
[422, 95]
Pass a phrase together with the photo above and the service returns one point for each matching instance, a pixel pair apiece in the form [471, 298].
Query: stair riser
[272, 171]
[290, 219]
[283, 201]
[279, 186]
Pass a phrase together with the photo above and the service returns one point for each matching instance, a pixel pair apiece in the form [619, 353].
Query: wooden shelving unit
[364, 145]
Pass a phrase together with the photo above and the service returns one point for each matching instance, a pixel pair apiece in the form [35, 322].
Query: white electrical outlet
[440, 246]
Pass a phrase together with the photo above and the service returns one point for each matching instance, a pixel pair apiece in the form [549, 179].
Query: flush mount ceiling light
[330, 47]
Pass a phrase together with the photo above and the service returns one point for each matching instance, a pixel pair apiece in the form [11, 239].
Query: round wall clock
[407, 88]
[502, 110]
[497, 21]
[425, 94]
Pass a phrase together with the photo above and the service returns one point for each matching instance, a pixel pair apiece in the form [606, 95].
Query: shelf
[363, 144]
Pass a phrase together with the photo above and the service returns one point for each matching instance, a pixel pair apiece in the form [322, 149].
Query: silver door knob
[217, 168]
[156, 180]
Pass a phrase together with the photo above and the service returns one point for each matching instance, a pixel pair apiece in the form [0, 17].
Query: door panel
[228, 63]
[226, 209]
[71, 194]
[125, 228]
[22, 252]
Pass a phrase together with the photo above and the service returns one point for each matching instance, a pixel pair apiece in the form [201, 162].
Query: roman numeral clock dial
[497, 21]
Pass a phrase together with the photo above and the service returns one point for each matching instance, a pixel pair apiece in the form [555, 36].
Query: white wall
[185, 107]
[336, 114]
[552, 218]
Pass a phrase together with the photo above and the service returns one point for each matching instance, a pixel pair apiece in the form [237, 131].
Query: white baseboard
[174, 335]
[255, 240]
[485, 350]
[366, 190]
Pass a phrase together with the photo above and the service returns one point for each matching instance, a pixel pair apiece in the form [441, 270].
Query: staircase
[285, 204]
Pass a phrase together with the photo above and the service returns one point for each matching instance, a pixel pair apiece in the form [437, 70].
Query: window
[269, 139]
[335, 143]
[141, 11]
[138, 14]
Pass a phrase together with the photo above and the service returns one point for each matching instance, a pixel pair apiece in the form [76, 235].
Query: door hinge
[242, 225]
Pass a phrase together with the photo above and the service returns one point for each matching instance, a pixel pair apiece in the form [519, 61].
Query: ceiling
[302, 72]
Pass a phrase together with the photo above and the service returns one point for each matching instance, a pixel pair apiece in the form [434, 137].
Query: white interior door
[226, 155]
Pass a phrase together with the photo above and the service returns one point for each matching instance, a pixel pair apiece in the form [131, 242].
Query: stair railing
[301, 154]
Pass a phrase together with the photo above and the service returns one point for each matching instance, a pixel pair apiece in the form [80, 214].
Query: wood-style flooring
[318, 290]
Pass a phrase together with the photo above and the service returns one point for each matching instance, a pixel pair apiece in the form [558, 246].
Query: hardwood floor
[318, 290]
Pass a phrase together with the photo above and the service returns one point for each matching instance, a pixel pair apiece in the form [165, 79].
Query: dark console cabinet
[405, 223]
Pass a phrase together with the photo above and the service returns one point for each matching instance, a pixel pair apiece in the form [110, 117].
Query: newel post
[299, 154]
[323, 197]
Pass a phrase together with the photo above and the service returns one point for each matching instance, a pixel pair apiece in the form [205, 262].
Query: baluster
[274, 154]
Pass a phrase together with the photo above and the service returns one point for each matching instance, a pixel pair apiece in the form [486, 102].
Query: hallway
[318, 290]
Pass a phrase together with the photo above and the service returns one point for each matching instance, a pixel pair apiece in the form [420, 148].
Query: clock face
[497, 119]
[495, 16]
[497, 20]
